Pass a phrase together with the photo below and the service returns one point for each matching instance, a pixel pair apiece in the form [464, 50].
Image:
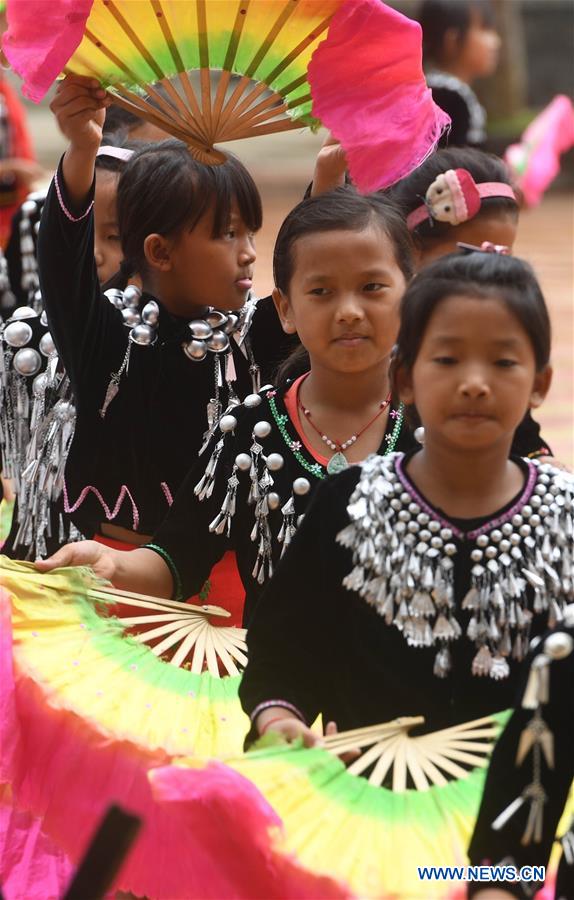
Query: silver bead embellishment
[200, 329]
[132, 295]
[419, 434]
[27, 361]
[559, 645]
[227, 423]
[262, 429]
[482, 540]
[143, 335]
[131, 317]
[150, 313]
[46, 344]
[17, 334]
[195, 350]
[273, 500]
[275, 462]
[40, 384]
[23, 312]
[476, 555]
[218, 342]
[215, 318]
[243, 461]
[301, 486]
[252, 400]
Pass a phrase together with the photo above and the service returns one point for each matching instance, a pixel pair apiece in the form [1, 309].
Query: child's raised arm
[80, 109]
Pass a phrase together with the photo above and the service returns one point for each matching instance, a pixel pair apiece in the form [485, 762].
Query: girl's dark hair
[476, 275]
[436, 17]
[119, 120]
[342, 209]
[409, 192]
[164, 190]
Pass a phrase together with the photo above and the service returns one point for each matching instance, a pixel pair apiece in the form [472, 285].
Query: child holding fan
[148, 385]
[438, 564]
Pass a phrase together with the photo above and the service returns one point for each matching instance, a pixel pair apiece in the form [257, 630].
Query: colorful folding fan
[369, 837]
[535, 160]
[64, 768]
[209, 71]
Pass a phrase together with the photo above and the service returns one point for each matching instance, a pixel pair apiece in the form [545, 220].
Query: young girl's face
[107, 247]
[475, 374]
[207, 271]
[478, 52]
[344, 298]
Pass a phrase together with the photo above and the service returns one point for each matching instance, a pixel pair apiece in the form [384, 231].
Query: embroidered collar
[403, 554]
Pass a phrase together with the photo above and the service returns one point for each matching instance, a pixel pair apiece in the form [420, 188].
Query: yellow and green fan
[409, 800]
[210, 71]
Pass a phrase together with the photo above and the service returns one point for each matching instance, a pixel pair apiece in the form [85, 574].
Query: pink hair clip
[117, 152]
[485, 247]
[455, 197]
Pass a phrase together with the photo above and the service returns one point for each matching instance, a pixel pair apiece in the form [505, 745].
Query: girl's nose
[474, 384]
[349, 309]
[98, 256]
[248, 254]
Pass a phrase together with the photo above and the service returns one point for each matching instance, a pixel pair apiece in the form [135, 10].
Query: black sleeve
[184, 537]
[455, 106]
[288, 633]
[506, 781]
[528, 441]
[87, 330]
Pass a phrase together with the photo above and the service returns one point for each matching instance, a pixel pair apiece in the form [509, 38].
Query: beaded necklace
[294, 445]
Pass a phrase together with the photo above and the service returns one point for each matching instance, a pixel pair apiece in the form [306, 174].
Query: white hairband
[118, 152]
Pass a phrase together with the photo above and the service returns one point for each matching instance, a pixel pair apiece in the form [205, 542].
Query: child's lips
[350, 340]
[244, 284]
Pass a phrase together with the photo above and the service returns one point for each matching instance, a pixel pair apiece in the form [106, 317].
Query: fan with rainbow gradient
[210, 71]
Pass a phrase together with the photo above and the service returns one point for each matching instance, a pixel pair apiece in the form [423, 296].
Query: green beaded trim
[294, 445]
[178, 587]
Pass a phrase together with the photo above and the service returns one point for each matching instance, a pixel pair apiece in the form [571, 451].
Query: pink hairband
[118, 152]
[455, 197]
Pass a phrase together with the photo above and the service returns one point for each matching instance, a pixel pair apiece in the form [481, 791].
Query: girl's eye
[374, 286]
[506, 363]
[113, 237]
[445, 360]
[319, 291]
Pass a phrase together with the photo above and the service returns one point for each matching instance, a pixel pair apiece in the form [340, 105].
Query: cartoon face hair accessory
[454, 197]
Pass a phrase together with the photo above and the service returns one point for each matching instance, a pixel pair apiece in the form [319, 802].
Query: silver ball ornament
[227, 423]
[559, 645]
[142, 335]
[252, 400]
[131, 317]
[419, 434]
[218, 342]
[200, 330]
[195, 350]
[132, 295]
[23, 312]
[27, 361]
[150, 313]
[44, 319]
[47, 345]
[231, 323]
[301, 486]
[216, 319]
[17, 334]
[29, 207]
[243, 461]
[275, 462]
[115, 297]
[262, 429]
[273, 500]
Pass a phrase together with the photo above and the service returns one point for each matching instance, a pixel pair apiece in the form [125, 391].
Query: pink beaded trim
[488, 526]
[282, 703]
[110, 514]
[167, 493]
[63, 206]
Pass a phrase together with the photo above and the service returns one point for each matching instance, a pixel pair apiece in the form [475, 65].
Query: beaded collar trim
[403, 555]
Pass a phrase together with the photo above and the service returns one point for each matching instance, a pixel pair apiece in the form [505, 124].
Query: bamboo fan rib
[420, 760]
[203, 71]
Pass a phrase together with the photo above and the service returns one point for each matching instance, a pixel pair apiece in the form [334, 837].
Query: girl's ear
[403, 384]
[157, 252]
[540, 388]
[284, 311]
